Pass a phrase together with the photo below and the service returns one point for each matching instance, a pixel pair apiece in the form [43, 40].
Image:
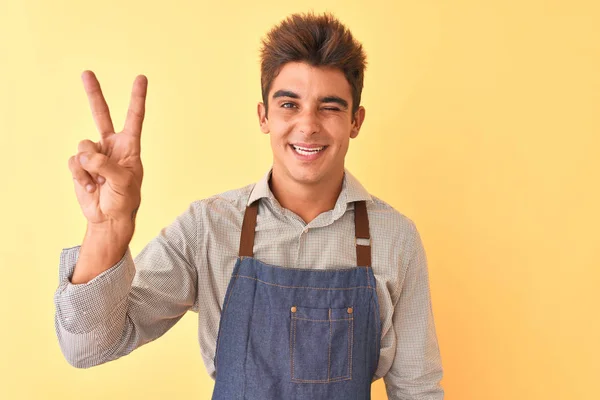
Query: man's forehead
[307, 80]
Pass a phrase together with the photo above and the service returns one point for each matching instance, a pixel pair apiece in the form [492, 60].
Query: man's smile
[307, 152]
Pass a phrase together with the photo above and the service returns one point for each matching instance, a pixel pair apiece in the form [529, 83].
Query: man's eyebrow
[334, 99]
[285, 93]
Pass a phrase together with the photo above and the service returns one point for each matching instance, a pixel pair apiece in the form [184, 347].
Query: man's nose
[308, 122]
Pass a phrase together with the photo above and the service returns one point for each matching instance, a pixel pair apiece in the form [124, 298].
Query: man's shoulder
[388, 218]
[382, 215]
[233, 200]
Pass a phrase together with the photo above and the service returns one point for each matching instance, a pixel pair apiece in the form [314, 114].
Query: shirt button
[350, 310]
[293, 308]
[306, 230]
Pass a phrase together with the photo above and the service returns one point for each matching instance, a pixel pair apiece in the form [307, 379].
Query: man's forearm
[103, 246]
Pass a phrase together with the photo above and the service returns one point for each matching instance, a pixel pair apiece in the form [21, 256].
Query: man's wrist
[104, 245]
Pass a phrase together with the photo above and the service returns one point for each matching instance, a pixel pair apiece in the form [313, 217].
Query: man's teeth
[305, 151]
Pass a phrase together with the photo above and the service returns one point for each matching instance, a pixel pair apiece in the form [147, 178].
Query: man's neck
[306, 201]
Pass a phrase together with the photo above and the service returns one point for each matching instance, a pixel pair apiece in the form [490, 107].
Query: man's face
[310, 122]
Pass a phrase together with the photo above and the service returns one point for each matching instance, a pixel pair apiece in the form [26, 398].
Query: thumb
[99, 164]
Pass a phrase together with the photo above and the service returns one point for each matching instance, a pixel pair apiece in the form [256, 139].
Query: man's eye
[285, 105]
[331, 109]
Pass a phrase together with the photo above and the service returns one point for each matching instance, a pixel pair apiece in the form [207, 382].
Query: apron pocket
[321, 344]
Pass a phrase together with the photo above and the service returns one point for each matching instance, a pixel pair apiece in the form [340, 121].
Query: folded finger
[88, 146]
[81, 176]
[99, 164]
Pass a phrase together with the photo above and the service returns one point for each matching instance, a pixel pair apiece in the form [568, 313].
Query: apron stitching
[329, 359]
[230, 294]
[225, 309]
[245, 381]
[377, 334]
[301, 287]
[349, 349]
[341, 378]
[323, 320]
[294, 345]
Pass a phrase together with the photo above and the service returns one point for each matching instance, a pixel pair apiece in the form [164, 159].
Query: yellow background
[482, 126]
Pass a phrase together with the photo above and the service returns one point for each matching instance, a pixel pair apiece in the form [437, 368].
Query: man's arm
[417, 369]
[132, 303]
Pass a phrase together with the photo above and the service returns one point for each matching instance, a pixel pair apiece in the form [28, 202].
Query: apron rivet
[293, 308]
[350, 310]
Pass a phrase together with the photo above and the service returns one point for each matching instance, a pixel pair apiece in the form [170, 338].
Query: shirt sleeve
[416, 371]
[133, 302]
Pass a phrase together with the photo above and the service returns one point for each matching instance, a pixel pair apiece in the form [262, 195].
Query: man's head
[312, 77]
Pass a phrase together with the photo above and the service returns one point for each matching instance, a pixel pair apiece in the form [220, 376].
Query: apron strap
[248, 228]
[361, 227]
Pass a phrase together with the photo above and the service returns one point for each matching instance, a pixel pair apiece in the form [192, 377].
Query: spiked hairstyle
[319, 40]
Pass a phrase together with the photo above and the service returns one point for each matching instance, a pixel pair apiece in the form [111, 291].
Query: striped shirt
[188, 265]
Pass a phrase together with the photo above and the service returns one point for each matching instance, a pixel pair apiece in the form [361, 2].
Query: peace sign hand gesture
[108, 174]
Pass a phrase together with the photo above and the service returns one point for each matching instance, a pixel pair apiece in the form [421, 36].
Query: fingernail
[100, 179]
[83, 159]
[89, 187]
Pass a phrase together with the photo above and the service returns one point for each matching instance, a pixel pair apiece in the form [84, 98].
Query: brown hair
[319, 40]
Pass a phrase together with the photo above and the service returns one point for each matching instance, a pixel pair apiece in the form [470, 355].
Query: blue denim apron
[300, 334]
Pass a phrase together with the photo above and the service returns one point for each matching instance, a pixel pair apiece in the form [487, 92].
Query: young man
[306, 286]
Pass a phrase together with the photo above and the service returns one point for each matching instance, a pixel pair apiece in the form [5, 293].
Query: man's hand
[108, 174]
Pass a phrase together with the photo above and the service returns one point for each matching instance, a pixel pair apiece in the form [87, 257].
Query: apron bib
[298, 334]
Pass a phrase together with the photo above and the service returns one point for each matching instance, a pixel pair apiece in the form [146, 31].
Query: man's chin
[309, 174]
[306, 179]
[304, 175]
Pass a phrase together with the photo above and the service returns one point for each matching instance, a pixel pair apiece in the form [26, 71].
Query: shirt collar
[352, 191]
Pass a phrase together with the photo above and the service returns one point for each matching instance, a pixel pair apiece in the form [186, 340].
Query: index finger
[137, 107]
[98, 105]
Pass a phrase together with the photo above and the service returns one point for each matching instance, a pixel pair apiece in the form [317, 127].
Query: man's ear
[359, 118]
[262, 118]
